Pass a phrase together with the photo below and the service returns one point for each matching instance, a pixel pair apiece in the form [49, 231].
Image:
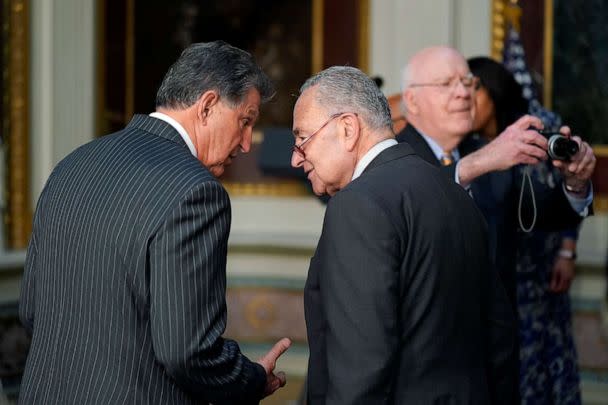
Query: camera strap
[526, 178]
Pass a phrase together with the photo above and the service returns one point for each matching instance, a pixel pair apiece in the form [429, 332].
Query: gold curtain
[15, 77]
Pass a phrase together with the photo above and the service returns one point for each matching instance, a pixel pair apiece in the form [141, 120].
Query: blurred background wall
[77, 69]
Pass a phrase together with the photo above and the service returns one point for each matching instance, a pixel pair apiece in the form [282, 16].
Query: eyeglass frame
[450, 84]
[298, 148]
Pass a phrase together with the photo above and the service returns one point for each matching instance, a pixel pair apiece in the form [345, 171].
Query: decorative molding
[267, 239]
[101, 74]
[600, 203]
[600, 150]
[5, 127]
[294, 188]
[364, 35]
[317, 35]
[504, 13]
[548, 55]
[129, 61]
[10, 260]
[284, 188]
[19, 212]
[265, 314]
[497, 29]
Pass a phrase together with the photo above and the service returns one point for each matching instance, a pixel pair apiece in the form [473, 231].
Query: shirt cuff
[580, 205]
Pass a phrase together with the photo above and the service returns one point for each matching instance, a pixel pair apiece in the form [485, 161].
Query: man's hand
[269, 362]
[517, 144]
[577, 172]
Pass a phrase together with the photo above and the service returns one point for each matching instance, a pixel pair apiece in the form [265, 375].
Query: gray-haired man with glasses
[449, 84]
[400, 308]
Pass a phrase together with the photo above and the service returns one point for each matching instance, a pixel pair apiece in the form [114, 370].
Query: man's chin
[460, 130]
[324, 190]
[331, 191]
[464, 124]
[319, 190]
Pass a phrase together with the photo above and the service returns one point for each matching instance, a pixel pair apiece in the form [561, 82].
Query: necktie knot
[447, 158]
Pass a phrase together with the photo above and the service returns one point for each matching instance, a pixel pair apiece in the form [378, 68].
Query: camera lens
[561, 147]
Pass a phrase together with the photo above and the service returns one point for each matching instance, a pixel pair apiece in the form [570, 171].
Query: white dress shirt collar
[437, 150]
[178, 127]
[371, 154]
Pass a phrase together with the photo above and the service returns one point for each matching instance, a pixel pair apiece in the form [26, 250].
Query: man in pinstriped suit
[124, 284]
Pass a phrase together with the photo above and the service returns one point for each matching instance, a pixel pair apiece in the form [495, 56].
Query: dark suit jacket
[497, 195]
[401, 304]
[124, 284]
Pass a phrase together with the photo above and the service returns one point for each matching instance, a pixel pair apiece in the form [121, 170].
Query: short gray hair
[347, 89]
[217, 66]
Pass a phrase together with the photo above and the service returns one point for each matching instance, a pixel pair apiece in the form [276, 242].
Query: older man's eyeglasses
[298, 148]
[469, 81]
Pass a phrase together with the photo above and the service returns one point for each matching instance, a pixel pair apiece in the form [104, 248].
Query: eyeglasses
[298, 148]
[469, 81]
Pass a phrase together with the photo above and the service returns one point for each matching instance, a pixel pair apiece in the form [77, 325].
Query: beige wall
[399, 28]
[62, 93]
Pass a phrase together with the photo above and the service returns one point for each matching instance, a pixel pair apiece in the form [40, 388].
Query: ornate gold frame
[291, 188]
[283, 188]
[548, 55]
[317, 35]
[15, 29]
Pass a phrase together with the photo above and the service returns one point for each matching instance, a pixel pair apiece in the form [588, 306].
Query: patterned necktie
[446, 159]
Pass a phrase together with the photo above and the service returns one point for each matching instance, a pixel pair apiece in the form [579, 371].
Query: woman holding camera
[545, 260]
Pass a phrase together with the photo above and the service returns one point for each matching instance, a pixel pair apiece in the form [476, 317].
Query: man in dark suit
[439, 107]
[401, 304]
[125, 277]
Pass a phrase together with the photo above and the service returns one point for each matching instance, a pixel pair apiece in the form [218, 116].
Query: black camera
[560, 147]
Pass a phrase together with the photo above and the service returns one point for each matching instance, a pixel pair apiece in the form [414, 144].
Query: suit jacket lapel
[411, 136]
[156, 127]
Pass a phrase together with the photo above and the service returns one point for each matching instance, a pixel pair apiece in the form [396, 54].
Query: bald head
[418, 68]
[436, 99]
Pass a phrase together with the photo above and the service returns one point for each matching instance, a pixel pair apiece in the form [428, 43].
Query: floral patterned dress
[548, 361]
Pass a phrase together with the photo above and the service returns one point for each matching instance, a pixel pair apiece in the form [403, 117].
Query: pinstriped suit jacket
[124, 284]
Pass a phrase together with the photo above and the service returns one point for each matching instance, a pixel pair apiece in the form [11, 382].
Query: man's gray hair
[217, 66]
[347, 89]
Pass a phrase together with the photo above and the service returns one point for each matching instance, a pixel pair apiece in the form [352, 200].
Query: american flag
[514, 59]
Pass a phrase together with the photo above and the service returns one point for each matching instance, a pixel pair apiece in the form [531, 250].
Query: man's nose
[462, 90]
[296, 159]
[246, 141]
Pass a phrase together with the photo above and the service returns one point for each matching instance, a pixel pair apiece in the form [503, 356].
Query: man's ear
[351, 130]
[410, 102]
[205, 103]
